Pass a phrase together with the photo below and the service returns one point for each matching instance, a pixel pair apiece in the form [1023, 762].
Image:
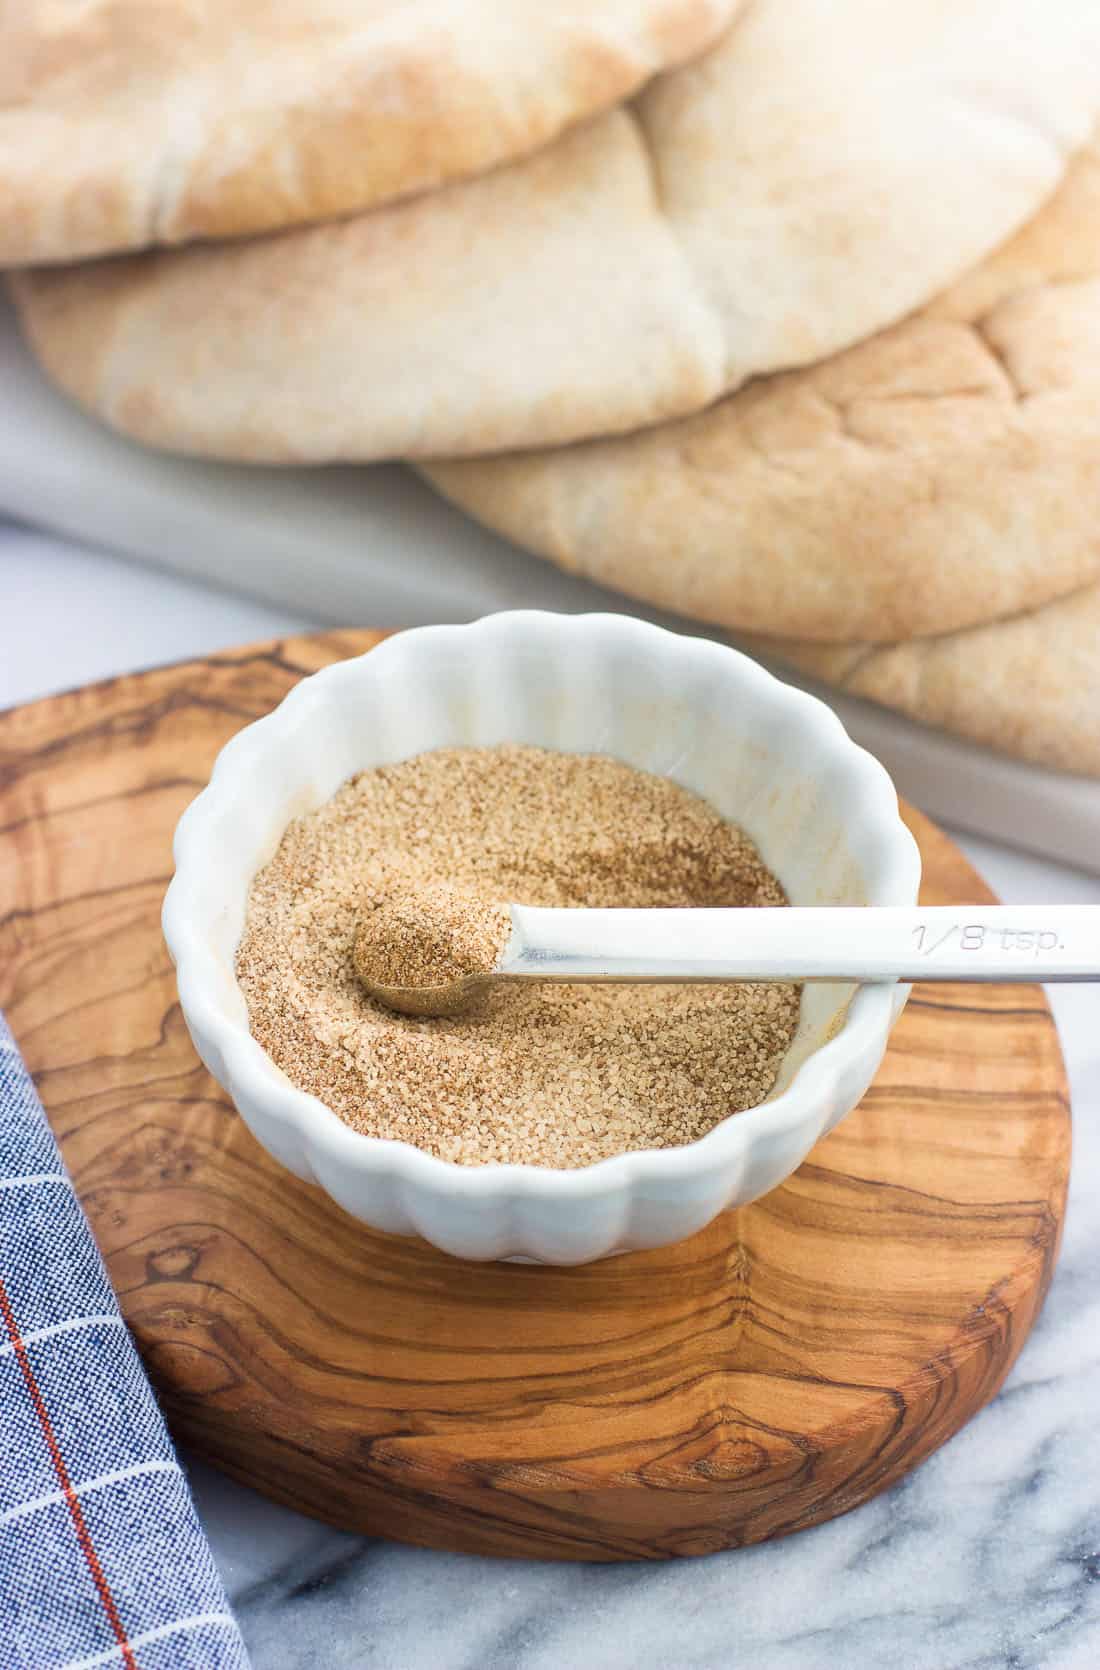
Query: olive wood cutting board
[779, 1368]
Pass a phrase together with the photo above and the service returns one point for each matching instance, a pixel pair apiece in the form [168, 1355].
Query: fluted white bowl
[823, 813]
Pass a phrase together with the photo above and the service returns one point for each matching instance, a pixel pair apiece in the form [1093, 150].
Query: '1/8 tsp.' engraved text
[975, 936]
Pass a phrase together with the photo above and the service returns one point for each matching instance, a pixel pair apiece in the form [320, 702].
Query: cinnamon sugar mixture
[552, 1075]
[428, 935]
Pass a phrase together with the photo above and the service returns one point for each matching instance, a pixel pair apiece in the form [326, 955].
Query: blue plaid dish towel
[102, 1558]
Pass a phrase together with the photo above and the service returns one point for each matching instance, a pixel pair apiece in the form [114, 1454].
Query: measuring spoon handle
[798, 943]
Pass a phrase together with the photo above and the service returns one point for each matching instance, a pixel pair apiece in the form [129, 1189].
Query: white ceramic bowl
[822, 812]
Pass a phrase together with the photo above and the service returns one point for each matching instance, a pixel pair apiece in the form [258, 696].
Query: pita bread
[825, 169]
[125, 123]
[1029, 686]
[939, 475]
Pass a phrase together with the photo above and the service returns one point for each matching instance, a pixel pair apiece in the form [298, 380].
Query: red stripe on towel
[83, 1536]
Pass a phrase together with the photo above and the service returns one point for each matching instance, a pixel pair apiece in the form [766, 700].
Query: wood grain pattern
[775, 1370]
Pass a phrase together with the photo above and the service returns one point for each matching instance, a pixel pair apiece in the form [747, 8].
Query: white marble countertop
[986, 1558]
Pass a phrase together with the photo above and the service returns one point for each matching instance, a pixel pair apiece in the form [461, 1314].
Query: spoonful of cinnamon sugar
[430, 950]
[426, 950]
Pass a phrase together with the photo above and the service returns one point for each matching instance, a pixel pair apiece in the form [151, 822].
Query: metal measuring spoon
[790, 944]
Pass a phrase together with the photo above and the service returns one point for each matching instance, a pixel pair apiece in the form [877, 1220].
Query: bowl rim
[245, 1064]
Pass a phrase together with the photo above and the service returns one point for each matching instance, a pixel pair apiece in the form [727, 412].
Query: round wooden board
[777, 1369]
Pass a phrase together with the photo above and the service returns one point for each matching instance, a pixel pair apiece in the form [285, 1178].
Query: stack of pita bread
[782, 314]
